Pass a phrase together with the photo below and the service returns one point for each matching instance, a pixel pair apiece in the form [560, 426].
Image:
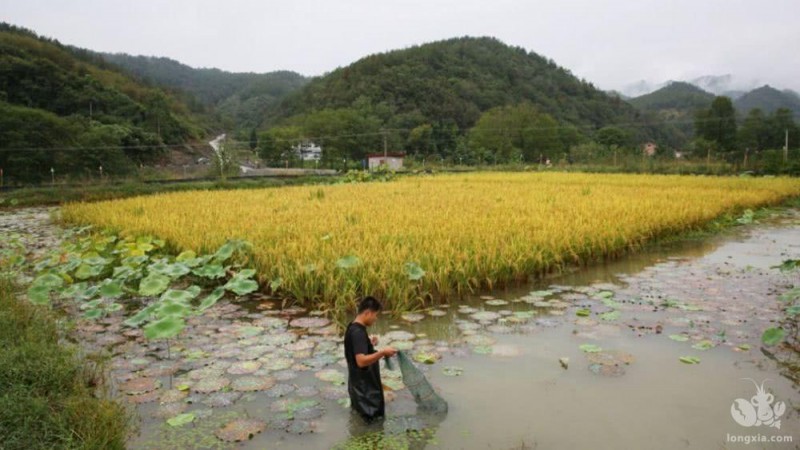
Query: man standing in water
[364, 376]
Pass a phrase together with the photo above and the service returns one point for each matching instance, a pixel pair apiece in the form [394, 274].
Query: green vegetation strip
[48, 395]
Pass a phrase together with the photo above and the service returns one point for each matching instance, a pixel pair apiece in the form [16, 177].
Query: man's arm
[363, 360]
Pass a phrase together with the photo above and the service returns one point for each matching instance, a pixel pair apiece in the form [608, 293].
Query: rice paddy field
[419, 239]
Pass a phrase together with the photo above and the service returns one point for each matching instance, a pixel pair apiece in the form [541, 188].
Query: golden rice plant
[421, 238]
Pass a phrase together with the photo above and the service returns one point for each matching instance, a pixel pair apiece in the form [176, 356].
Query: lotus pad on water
[252, 383]
[485, 316]
[207, 385]
[332, 376]
[309, 322]
[241, 430]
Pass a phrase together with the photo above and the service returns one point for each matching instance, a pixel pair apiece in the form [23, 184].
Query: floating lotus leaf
[285, 375]
[244, 367]
[290, 405]
[153, 284]
[279, 339]
[542, 304]
[689, 359]
[482, 349]
[480, 339]
[590, 348]
[467, 310]
[39, 294]
[254, 352]
[226, 251]
[437, 313]
[300, 427]
[610, 315]
[703, 345]
[49, 280]
[170, 308]
[333, 392]
[496, 302]
[252, 383]
[87, 271]
[301, 345]
[249, 331]
[610, 357]
[210, 271]
[142, 398]
[307, 391]
[331, 375]
[583, 312]
[168, 410]
[222, 399]
[173, 395]
[604, 294]
[180, 295]
[308, 413]
[542, 293]
[773, 336]
[412, 317]
[452, 371]
[241, 430]
[207, 385]
[206, 372]
[485, 316]
[279, 364]
[607, 370]
[499, 329]
[468, 326]
[165, 328]
[309, 322]
[241, 286]
[212, 298]
[181, 420]
[281, 390]
[426, 357]
[399, 335]
[140, 385]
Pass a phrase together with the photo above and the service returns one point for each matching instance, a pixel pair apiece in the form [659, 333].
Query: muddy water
[713, 296]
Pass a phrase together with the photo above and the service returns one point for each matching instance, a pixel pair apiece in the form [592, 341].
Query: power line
[383, 132]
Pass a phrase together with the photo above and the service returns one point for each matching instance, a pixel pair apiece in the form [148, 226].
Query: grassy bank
[48, 398]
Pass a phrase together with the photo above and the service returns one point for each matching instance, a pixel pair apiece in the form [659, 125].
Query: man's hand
[374, 340]
[389, 351]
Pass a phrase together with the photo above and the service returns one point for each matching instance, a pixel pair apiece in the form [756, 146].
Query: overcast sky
[610, 43]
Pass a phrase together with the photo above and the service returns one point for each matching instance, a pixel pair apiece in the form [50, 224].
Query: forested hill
[239, 100]
[768, 99]
[456, 80]
[678, 97]
[57, 97]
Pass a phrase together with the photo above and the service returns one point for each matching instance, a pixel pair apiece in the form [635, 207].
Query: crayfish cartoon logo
[759, 410]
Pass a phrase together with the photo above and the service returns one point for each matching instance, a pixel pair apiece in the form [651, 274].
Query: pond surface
[588, 359]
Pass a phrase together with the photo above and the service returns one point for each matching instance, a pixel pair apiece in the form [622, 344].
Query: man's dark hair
[369, 303]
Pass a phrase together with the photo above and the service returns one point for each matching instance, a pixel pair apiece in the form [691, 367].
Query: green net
[427, 399]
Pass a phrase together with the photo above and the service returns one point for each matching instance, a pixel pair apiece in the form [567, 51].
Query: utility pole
[385, 144]
[786, 146]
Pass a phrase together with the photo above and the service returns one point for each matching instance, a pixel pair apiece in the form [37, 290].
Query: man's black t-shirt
[363, 383]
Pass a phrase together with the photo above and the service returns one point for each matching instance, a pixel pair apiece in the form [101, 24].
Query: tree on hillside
[253, 140]
[276, 146]
[517, 132]
[754, 132]
[718, 124]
